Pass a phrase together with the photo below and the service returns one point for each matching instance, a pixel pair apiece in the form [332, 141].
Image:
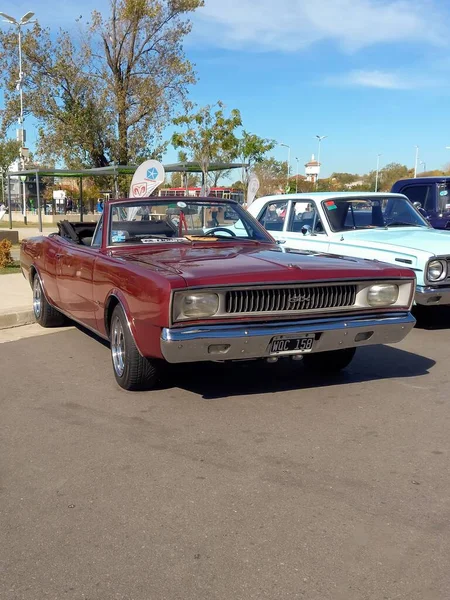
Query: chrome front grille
[290, 299]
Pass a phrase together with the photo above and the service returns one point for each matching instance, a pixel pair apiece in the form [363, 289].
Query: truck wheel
[45, 314]
[132, 371]
[329, 362]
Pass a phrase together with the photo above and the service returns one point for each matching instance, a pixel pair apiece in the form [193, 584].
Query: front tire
[329, 362]
[44, 313]
[131, 370]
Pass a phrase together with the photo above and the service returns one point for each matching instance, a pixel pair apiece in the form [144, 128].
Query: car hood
[258, 264]
[431, 241]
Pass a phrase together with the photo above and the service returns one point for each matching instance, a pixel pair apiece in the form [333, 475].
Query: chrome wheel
[37, 297]
[118, 347]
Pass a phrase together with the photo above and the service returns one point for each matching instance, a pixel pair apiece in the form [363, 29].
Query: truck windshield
[344, 214]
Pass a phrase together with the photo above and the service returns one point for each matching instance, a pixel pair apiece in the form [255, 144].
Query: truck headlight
[196, 305]
[382, 294]
[437, 270]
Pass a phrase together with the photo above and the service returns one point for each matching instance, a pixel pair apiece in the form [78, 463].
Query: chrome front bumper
[242, 342]
[429, 296]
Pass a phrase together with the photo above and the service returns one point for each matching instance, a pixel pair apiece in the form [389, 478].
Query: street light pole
[25, 20]
[320, 138]
[289, 163]
[296, 179]
[378, 171]
[415, 162]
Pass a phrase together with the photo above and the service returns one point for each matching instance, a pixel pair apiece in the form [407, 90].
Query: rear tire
[45, 314]
[131, 370]
[329, 362]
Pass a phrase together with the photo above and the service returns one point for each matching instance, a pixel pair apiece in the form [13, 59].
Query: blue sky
[372, 75]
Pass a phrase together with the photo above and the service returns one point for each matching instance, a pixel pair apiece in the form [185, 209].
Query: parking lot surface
[231, 482]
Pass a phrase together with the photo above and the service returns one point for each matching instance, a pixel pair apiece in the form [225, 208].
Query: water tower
[312, 170]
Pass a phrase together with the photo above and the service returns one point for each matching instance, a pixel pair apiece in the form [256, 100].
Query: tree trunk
[123, 138]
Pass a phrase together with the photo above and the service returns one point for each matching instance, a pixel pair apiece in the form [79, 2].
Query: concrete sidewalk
[27, 232]
[16, 301]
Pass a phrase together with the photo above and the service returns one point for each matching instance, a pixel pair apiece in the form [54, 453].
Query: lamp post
[416, 161]
[21, 135]
[288, 163]
[378, 171]
[296, 179]
[320, 138]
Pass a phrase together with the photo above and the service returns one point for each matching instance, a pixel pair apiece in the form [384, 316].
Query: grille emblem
[298, 298]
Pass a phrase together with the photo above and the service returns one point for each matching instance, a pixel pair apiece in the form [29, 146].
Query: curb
[16, 318]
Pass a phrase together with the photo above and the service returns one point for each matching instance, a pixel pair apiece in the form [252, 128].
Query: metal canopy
[114, 170]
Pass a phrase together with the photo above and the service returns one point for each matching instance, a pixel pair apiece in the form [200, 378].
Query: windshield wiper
[402, 224]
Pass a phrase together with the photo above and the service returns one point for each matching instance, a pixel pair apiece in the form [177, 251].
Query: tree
[252, 150]
[9, 152]
[209, 134]
[272, 176]
[108, 97]
[388, 175]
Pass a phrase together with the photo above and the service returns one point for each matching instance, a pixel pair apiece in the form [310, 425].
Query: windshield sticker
[443, 193]
[160, 240]
[118, 236]
[330, 205]
[181, 204]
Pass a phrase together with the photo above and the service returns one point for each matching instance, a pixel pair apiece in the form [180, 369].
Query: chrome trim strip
[432, 296]
[192, 344]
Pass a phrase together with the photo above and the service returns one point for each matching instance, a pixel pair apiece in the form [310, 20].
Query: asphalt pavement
[230, 482]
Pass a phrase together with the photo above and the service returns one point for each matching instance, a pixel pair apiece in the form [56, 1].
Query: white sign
[146, 179]
[252, 188]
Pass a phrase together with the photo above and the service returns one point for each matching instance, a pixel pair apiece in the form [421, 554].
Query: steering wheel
[213, 231]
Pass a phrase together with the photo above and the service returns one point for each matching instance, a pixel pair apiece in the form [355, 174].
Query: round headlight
[382, 294]
[200, 305]
[436, 270]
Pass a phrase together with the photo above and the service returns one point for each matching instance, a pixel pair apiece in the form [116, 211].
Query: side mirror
[307, 230]
[417, 205]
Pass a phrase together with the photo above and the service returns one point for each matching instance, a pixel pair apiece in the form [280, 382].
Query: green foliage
[208, 134]
[109, 97]
[9, 152]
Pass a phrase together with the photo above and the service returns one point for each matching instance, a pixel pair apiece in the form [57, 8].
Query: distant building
[312, 170]
[353, 184]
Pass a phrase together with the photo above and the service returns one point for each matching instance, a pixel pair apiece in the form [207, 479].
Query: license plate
[298, 345]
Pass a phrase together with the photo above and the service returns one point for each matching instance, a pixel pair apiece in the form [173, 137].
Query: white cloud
[377, 79]
[290, 25]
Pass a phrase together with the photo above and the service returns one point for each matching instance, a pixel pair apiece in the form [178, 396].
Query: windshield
[344, 214]
[156, 221]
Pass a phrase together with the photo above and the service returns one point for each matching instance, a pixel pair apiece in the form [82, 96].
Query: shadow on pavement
[213, 380]
[221, 380]
[432, 317]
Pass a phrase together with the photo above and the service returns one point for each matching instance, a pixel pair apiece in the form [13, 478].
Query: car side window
[97, 239]
[420, 193]
[305, 213]
[274, 216]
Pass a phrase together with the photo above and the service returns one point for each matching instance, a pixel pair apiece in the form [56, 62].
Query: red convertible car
[188, 280]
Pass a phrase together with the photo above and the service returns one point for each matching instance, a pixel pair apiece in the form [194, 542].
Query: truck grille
[290, 299]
